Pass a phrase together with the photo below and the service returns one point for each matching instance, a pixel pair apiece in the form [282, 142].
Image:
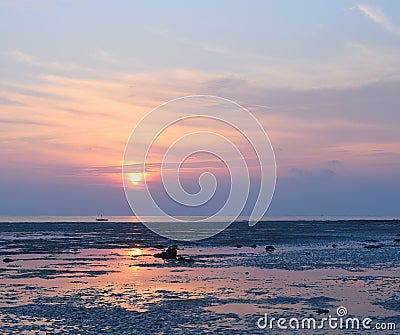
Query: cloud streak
[376, 15]
[8, 102]
[93, 116]
[55, 66]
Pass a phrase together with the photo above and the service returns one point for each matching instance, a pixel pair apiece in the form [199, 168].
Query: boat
[101, 218]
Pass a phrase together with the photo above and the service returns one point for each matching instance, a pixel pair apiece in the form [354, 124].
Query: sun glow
[135, 178]
[135, 252]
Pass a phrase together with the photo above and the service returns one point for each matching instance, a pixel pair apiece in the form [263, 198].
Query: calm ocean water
[17, 219]
[127, 231]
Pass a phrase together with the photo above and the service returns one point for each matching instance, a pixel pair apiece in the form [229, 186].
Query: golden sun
[135, 178]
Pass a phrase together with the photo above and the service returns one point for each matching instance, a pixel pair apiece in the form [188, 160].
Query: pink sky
[325, 89]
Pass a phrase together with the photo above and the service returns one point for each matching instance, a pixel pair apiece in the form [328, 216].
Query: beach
[102, 277]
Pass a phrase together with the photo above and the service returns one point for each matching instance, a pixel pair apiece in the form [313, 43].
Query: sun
[135, 178]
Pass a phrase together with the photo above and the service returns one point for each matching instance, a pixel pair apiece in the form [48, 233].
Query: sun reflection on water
[135, 252]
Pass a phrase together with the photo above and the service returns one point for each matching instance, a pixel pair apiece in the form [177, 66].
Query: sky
[322, 77]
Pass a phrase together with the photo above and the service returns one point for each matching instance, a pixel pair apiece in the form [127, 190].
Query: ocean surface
[74, 275]
[156, 219]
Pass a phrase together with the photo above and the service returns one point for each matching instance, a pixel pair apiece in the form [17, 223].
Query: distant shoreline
[132, 219]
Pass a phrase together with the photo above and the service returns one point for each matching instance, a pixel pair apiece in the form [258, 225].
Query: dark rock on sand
[8, 260]
[322, 311]
[372, 246]
[334, 245]
[253, 246]
[170, 253]
[269, 248]
[238, 245]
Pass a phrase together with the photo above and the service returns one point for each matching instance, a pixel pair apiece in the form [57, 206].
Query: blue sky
[322, 77]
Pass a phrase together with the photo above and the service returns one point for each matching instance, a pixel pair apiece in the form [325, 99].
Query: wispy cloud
[376, 15]
[94, 115]
[56, 66]
[26, 122]
[35, 61]
[355, 65]
[9, 102]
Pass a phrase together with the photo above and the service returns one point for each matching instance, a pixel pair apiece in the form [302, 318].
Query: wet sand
[102, 278]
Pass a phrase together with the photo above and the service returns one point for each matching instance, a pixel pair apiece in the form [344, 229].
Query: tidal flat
[103, 278]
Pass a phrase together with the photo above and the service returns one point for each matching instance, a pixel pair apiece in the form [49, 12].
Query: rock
[246, 273]
[322, 311]
[159, 255]
[396, 240]
[269, 248]
[308, 253]
[372, 246]
[8, 260]
[334, 245]
[170, 253]
[253, 246]
[238, 245]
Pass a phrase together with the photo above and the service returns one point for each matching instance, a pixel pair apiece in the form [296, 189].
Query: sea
[75, 275]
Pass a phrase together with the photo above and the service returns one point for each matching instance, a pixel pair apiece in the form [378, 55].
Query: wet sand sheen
[102, 279]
